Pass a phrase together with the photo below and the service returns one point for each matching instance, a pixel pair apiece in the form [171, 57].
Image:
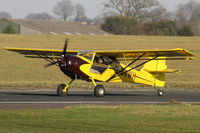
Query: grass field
[93, 119]
[16, 70]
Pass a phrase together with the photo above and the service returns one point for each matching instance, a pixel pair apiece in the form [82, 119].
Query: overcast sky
[20, 8]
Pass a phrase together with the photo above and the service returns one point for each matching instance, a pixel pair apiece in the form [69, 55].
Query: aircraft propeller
[65, 48]
[51, 64]
[62, 56]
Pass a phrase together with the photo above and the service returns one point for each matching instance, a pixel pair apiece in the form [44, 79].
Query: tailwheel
[160, 93]
[99, 91]
[62, 90]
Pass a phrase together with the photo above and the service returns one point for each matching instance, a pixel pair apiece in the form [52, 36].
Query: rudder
[156, 70]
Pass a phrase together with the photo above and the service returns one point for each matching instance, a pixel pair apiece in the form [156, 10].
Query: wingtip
[191, 58]
[5, 48]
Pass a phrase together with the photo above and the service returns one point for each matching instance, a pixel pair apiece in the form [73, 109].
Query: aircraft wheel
[60, 89]
[160, 93]
[99, 91]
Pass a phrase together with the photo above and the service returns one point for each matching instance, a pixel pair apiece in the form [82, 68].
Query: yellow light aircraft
[106, 66]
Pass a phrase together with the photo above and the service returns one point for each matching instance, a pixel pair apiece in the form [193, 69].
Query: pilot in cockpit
[100, 61]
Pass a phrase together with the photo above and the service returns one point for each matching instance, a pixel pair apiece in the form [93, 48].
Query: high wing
[169, 54]
[174, 54]
[41, 53]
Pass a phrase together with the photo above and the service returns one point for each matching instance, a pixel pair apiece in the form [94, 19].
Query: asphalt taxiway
[33, 99]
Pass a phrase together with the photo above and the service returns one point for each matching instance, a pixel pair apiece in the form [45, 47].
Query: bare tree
[188, 12]
[41, 16]
[134, 8]
[5, 15]
[116, 5]
[170, 15]
[64, 9]
[80, 13]
[181, 13]
[158, 14]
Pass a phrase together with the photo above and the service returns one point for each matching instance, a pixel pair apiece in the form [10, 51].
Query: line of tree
[63, 10]
[142, 9]
[41, 16]
[5, 15]
[9, 29]
[121, 25]
[151, 17]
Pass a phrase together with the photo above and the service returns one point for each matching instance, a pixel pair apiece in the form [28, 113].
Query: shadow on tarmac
[77, 95]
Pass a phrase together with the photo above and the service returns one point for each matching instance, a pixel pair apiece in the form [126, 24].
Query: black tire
[160, 93]
[99, 91]
[60, 89]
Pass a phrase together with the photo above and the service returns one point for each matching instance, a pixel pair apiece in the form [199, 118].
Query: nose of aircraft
[70, 65]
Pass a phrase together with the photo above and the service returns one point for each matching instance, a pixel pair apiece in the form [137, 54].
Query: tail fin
[155, 66]
[156, 70]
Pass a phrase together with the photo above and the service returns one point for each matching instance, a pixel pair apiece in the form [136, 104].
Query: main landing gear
[159, 91]
[62, 89]
[99, 90]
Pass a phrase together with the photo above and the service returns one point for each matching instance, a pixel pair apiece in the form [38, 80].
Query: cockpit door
[100, 64]
[99, 68]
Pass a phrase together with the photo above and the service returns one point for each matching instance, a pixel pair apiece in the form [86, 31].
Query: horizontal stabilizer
[164, 71]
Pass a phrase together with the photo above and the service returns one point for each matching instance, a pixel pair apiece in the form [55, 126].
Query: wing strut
[139, 57]
[132, 62]
[44, 57]
[143, 63]
[133, 67]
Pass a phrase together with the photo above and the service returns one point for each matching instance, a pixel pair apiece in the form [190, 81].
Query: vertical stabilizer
[156, 71]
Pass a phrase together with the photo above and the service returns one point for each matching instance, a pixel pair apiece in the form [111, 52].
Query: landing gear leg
[159, 91]
[99, 90]
[62, 89]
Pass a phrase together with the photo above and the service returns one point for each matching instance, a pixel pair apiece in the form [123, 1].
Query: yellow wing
[41, 53]
[174, 54]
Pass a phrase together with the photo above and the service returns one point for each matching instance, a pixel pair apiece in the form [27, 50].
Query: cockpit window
[102, 60]
[89, 57]
[87, 54]
[101, 64]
